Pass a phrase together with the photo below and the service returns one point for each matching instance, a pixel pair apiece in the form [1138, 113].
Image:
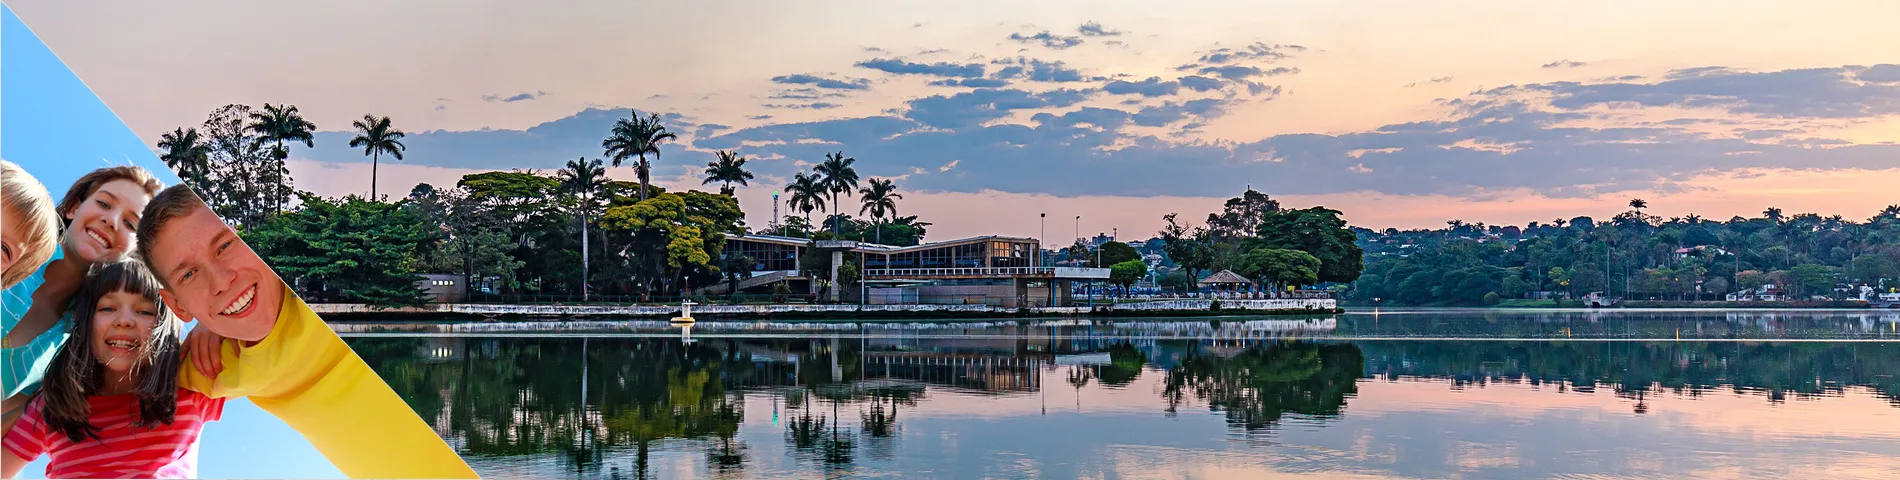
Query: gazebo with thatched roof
[1226, 281]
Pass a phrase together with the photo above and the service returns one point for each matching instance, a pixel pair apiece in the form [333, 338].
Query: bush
[1491, 298]
[1214, 306]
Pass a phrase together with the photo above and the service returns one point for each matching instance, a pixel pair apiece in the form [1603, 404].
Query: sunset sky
[1401, 114]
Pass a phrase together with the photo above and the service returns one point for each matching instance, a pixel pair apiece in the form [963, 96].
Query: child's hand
[208, 359]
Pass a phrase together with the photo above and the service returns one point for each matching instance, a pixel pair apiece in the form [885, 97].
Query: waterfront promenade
[714, 311]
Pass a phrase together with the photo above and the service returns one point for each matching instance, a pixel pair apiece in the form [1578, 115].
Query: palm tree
[376, 137]
[729, 169]
[583, 178]
[880, 199]
[187, 153]
[1639, 204]
[837, 177]
[281, 123]
[807, 194]
[636, 137]
[1773, 214]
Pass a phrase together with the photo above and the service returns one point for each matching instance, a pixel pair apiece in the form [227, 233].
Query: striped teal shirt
[21, 368]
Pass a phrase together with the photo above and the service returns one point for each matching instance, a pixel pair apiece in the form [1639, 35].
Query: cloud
[984, 105]
[1565, 64]
[1256, 51]
[1435, 80]
[1542, 138]
[709, 129]
[804, 93]
[1886, 73]
[1152, 87]
[1241, 72]
[543, 146]
[822, 82]
[1038, 70]
[1104, 118]
[948, 166]
[1495, 142]
[1094, 29]
[1798, 93]
[759, 117]
[1047, 39]
[938, 69]
[524, 96]
[1170, 112]
[1199, 83]
[970, 82]
[803, 106]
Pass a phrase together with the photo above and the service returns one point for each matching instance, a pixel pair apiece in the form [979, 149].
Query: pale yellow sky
[428, 64]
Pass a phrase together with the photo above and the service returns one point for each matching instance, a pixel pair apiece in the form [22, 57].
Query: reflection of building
[989, 270]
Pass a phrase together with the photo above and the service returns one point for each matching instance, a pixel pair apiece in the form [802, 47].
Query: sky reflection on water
[1011, 401]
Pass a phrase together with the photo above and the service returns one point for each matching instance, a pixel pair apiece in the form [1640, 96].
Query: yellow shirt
[306, 376]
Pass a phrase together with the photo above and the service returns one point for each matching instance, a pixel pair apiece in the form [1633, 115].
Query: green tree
[880, 200]
[376, 137]
[1127, 273]
[635, 138]
[348, 250]
[1874, 269]
[1111, 253]
[581, 180]
[1319, 232]
[807, 194]
[837, 176]
[280, 124]
[1189, 247]
[1277, 267]
[187, 154]
[1812, 279]
[728, 169]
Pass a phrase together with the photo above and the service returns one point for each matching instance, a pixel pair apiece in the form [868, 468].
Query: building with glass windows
[993, 270]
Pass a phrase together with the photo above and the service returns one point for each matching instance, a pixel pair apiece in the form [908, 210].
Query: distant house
[442, 287]
[1700, 250]
[1764, 293]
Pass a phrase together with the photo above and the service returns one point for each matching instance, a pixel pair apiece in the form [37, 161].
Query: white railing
[958, 272]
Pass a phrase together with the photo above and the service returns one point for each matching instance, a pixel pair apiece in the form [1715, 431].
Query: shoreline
[718, 312]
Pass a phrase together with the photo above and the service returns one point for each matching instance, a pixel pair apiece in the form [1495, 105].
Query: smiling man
[280, 355]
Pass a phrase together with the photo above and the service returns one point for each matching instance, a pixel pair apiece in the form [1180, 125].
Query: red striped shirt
[122, 450]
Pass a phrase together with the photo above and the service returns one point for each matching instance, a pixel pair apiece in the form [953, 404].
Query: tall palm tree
[281, 123]
[807, 194]
[636, 137]
[187, 153]
[1773, 214]
[583, 178]
[729, 169]
[1639, 204]
[880, 200]
[376, 137]
[837, 176]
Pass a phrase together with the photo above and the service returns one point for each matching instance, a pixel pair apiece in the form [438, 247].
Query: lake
[1401, 394]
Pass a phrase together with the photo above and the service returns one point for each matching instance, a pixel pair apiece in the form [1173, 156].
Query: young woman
[111, 406]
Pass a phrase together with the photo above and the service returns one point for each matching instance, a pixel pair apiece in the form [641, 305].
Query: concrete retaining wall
[673, 310]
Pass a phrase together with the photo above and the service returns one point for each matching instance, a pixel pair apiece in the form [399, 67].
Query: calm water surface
[1497, 395]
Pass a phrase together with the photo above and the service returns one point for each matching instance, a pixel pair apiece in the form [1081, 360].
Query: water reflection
[981, 405]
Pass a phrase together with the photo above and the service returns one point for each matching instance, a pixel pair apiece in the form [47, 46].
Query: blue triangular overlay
[53, 126]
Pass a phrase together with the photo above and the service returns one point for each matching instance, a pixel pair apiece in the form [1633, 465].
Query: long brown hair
[75, 374]
[91, 181]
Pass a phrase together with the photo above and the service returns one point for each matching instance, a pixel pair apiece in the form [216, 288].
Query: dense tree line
[1255, 237]
[569, 232]
[1633, 255]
